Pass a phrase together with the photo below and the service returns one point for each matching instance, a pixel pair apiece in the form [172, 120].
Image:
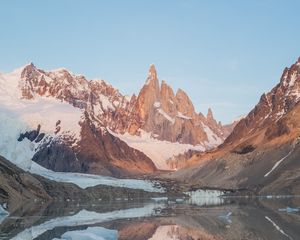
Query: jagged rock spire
[210, 115]
[152, 77]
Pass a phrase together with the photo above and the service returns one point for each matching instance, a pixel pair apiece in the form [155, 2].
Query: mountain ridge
[97, 108]
[261, 152]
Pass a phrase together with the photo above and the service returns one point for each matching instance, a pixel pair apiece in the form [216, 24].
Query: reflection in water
[86, 218]
[228, 218]
[91, 233]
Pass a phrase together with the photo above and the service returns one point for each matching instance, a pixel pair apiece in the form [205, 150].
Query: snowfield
[21, 153]
[90, 180]
[158, 151]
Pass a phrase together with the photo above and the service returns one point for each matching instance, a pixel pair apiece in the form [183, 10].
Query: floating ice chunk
[160, 199]
[288, 210]
[91, 233]
[226, 218]
[2, 210]
[205, 197]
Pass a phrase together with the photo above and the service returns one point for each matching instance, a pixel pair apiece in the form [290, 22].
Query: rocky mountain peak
[152, 71]
[152, 79]
[272, 106]
[210, 115]
[184, 103]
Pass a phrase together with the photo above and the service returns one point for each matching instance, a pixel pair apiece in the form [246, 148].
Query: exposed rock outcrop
[261, 152]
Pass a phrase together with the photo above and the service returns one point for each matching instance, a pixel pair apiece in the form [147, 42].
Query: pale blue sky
[224, 54]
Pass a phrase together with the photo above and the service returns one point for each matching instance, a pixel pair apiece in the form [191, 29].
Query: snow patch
[280, 161]
[3, 211]
[168, 117]
[156, 104]
[106, 104]
[277, 227]
[205, 197]
[180, 115]
[212, 139]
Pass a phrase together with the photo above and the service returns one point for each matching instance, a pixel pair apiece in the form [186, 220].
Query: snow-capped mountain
[65, 122]
[49, 117]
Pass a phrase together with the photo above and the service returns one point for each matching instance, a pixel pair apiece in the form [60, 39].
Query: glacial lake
[157, 219]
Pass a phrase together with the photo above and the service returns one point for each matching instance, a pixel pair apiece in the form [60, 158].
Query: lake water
[228, 218]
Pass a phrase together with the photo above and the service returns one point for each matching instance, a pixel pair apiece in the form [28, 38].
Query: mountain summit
[75, 124]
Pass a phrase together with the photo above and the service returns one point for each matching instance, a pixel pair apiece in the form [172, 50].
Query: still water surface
[158, 219]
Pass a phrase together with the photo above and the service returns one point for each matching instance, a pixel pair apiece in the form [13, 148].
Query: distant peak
[29, 65]
[152, 71]
[152, 76]
[210, 114]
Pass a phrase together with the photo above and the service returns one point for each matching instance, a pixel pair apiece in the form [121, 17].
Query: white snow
[106, 104]
[156, 104]
[87, 218]
[167, 116]
[27, 115]
[293, 79]
[277, 227]
[91, 233]
[157, 150]
[212, 139]
[180, 115]
[3, 211]
[280, 161]
[205, 197]
[90, 180]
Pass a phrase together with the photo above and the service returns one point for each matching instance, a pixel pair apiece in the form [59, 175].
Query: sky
[223, 54]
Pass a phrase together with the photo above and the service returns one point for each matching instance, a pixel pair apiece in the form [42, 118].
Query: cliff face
[261, 152]
[271, 107]
[172, 117]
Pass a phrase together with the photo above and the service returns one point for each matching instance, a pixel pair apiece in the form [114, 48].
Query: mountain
[65, 122]
[261, 153]
[58, 120]
[172, 117]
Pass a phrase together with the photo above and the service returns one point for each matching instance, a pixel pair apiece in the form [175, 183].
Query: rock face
[271, 107]
[172, 117]
[261, 152]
